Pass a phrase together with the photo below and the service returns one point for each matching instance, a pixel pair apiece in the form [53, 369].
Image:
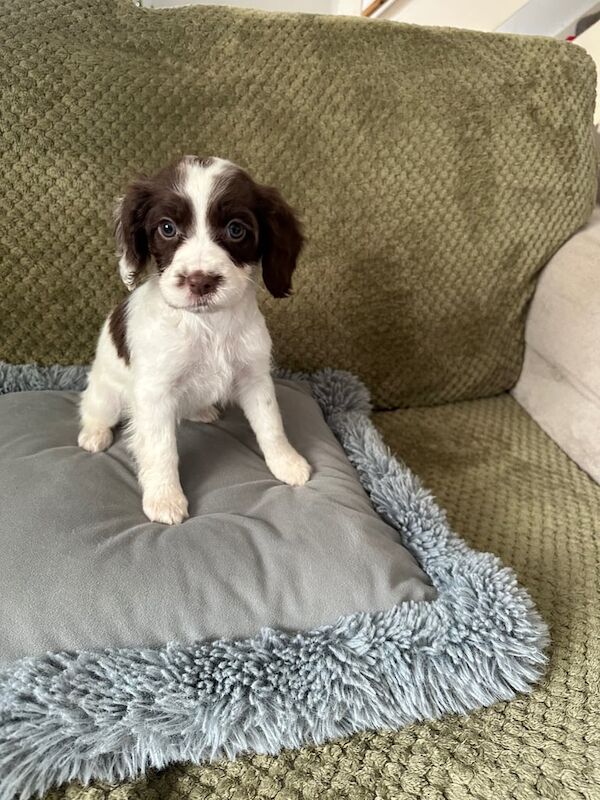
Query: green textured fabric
[511, 490]
[435, 170]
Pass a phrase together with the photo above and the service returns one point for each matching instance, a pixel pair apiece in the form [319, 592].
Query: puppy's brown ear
[280, 239]
[130, 232]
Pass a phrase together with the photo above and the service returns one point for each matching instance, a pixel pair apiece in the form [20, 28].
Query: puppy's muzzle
[201, 284]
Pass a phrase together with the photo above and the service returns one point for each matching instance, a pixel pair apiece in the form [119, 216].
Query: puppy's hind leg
[102, 402]
[100, 410]
[207, 414]
[192, 409]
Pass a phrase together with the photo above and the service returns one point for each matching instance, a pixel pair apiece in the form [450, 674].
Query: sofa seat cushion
[509, 489]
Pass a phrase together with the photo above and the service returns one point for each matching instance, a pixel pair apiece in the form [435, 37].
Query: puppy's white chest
[209, 376]
[204, 365]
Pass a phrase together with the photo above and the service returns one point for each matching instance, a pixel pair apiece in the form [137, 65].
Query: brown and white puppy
[191, 335]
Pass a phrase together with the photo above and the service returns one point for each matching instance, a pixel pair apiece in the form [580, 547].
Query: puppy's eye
[236, 230]
[167, 228]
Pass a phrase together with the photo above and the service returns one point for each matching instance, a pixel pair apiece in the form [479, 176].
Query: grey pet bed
[275, 617]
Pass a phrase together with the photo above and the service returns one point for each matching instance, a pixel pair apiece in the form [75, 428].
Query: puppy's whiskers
[251, 280]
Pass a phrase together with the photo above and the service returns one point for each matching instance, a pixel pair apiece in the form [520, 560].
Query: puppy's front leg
[256, 396]
[155, 449]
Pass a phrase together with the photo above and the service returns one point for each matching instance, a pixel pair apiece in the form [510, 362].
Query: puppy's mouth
[195, 305]
[200, 305]
[205, 303]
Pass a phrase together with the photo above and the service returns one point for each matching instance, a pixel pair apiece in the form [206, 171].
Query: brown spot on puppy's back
[117, 326]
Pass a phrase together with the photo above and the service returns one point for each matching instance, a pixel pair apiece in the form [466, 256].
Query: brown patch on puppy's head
[272, 236]
[147, 202]
[206, 218]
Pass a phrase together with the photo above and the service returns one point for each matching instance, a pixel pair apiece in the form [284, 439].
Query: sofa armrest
[559, 384]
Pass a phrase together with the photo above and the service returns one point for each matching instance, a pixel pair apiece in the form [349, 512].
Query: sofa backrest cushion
[435, 170]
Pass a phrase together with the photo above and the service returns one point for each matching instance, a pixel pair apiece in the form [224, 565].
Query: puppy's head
[203, 225]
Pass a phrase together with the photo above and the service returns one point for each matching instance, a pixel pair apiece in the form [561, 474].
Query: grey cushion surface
[81, 566]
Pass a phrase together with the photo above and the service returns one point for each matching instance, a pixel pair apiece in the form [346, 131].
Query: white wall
[481, 15]
[541, 17]
[537, 17]
[590, 41]
[309, 6]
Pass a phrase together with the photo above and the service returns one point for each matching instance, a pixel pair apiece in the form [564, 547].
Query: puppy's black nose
[201, 284]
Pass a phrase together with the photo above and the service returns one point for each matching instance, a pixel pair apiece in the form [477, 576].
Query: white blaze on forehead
[198, 182]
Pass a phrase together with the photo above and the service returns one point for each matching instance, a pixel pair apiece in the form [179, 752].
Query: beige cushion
[560, 381]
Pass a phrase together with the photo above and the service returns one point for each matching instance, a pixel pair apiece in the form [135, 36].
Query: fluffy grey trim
[112, 714]
[29, 377]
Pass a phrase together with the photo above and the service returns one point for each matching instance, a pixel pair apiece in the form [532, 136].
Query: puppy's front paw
[167, 505]
[94, 439]
[289, 467]
[208, 414]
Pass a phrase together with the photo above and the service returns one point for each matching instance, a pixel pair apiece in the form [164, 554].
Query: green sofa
[436, 173]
